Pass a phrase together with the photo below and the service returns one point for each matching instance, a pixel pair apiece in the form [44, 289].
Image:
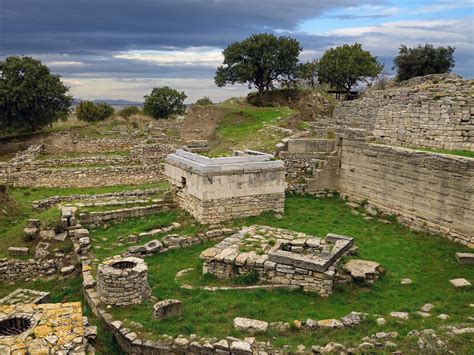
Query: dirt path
[201, 122]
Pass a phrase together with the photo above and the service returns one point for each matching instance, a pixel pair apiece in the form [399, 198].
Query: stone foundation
[219, 189]
[278, 257]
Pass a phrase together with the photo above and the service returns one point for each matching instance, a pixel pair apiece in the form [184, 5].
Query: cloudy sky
[120, 49]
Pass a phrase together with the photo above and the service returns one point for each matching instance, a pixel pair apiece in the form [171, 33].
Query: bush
[204, 101]
[164, 102]
[90, 112]
[129, 111]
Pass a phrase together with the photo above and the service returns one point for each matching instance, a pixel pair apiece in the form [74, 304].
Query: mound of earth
[201, 122]
[310, 104]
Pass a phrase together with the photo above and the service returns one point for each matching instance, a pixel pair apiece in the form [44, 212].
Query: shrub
[204, 101]
[164, 102]
[90, 112]
[129, 111]
[249, 278]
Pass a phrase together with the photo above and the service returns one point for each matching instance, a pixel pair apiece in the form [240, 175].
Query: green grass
[462, 153]
[428, 260]
[11, 226]
[242, 127]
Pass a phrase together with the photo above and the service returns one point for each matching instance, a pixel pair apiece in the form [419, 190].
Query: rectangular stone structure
[219, 189]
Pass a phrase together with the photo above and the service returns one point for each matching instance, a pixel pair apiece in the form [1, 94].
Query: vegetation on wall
[423, 60]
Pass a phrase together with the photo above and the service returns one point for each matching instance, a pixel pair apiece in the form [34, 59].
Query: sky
[121, 49]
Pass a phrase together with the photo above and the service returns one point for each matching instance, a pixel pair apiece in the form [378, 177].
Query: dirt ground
[201, 122]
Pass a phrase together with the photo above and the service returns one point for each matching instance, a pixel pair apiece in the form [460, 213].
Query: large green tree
[344, 66]
[30, 96]
[164, 102]
[308, 72]
[259, 61]
[423, 60]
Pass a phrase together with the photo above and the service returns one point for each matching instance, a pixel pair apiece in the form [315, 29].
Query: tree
[30, 96]
[91, 112]
[344, 66]
[204, 101]
[309, 72]
[423, 60]
[164, 102]
[259, 61]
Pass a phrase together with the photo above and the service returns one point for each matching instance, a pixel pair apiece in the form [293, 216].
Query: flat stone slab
[18, 251]
[465, 258]
[250, 325]
[400, 315]
[362, 269]
[460, 283]
[25, 296]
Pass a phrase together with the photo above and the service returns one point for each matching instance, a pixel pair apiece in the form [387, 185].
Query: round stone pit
[123, 281]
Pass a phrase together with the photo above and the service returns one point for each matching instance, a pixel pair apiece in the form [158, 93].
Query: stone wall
[85, 177]
[14, 269]
[434, 111]
[428, 191]
[98, 218]
[218, 189]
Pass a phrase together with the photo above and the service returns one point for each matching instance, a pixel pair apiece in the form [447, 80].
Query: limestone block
[252, 326]
[167, 309]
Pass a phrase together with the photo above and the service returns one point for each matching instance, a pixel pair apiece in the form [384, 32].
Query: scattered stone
[352, 319]
[406, 281]
[240, 348]
[366, 345]
[363, 269]
[427, 307]
[381, 321]
[61, 237]
[16, 251]
[330, 323]
[413, 333]
[311, 324]
[47, 234]
[463, 331]
[400, 315]
[465, 258]
[133, 238]
[443, 316]
[282, 327]
[67, 269]
[167, 309]
[423, 314]
[371, 211]
[460, 282]
[250, 325]
[332, 348]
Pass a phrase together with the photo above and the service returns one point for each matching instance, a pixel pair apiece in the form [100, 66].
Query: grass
[461, 153]
[242, 127]
[11, 226]
[402, 252]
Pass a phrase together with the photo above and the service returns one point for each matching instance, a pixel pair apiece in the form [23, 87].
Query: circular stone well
[123, 281]
[14, 325]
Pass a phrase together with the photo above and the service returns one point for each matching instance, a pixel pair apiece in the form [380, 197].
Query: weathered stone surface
[18, 251]
[67, 269]
[427, 307]
[167, 309]
[465, 258]
[330, 323]
[460, 282]
[362, 269]
[252, 326]
[406, 282]
[400, 315]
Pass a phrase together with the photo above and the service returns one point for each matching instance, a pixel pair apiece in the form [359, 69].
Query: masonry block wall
[218, 189]
[434, 111]
[429, 191]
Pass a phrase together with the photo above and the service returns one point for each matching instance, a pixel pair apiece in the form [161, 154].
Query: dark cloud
[91, 26]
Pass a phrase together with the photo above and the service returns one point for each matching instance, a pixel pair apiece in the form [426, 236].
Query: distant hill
[113, 102]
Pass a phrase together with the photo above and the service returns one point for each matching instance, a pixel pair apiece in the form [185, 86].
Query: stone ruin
[279, 257]
[42, 329]
[24, 295]
[123, 281]
[219, 189]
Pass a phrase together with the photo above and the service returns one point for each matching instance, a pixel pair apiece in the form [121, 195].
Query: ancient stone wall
[218, 189]
[434, 111]
[98, 218]
[428, 191]
[15, 269]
